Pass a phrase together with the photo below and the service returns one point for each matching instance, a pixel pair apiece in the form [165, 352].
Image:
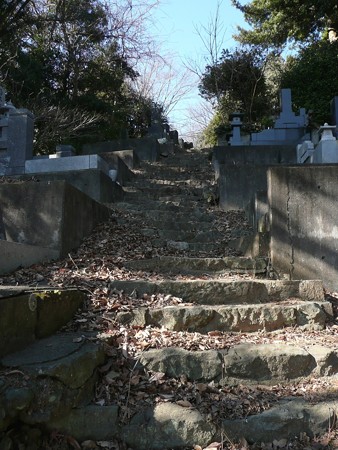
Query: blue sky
[179, 18]
[176, 23]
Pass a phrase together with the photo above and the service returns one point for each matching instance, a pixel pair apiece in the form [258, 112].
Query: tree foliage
[312, 77]
[274, 22]
[77, 59]
[237, 82]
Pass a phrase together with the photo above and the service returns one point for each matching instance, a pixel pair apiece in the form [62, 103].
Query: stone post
[326, 151]
[236, 125]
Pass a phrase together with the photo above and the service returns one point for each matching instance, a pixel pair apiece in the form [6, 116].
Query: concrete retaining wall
[14, 255]
[48, 214]
[239, 184]
[92, 182]
[258, 155]
[37, 314]
[304, 222]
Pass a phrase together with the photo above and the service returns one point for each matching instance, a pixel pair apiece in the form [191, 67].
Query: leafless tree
[212, 36]
[129, 25]
[160, 80]
[56, 123]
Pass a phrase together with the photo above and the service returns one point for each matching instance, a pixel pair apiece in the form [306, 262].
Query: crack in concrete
[288, 221]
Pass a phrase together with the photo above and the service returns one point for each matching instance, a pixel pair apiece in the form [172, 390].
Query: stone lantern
[236, 125]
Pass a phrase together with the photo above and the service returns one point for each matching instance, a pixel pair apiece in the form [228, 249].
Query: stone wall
[259, 155]
[48, 214]
[239, 184]
[304, 222]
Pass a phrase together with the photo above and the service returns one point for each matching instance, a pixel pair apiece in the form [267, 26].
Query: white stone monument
[326, 152]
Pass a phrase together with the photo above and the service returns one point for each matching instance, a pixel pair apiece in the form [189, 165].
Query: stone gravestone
[16, 137]
[288, 128]
[4, 157]
[334, 114]
[156, 127]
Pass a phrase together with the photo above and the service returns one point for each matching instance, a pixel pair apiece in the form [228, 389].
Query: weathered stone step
[178, 163]
[179, 216]
[184, 236]
[169, 425]
[158, 195]
[163, 207]
[227, 292]
[57, 374]
[196, 247]
[235, 318]
[172, 264]
[286, 421]
[146, 203]
[244, 363]
[161, 191]
[173, 176]
[158, 183]
[173, 224]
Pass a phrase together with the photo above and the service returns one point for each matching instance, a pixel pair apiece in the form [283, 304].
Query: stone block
[69, 163]
[92, 182]
[146, 148]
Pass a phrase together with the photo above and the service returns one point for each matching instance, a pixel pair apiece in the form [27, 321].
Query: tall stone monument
[288, 128]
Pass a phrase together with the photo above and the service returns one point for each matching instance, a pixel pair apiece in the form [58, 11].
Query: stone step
[174, 176]
[156, 206]
[235, 318]
[57, 374]
[185, 265]
[168, 425]
[225, 292]
[157, 183]
[195, 247]
[179, 164]
[181, 203]
[180, 196]
[161, 191]
[185, 236]
[243, 363]
[179, 216]
[190, 226]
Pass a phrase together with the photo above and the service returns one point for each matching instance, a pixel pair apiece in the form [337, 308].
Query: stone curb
[227, 292]
[236, 264]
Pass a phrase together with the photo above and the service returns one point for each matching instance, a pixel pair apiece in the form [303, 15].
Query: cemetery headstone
[288, 128]
[156, 127]
[16, 137]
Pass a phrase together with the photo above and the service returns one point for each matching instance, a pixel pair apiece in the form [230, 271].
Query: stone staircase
[205, 346]
[216, 292]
